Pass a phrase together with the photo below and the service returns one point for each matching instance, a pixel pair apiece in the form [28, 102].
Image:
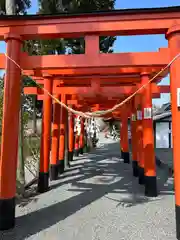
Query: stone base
[125, 156]
[70, 156]
[177, 210]
[61, 166]
[122, 154]
[150, 186]
[76, 152]
[135, 168]
[81, 151]
[141, 175]
[43, 182]
[54, 172]
[7, 214]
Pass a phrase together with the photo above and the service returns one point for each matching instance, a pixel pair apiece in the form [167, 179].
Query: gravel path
[98, 199]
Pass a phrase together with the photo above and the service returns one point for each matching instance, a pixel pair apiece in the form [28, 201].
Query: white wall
[162, 135]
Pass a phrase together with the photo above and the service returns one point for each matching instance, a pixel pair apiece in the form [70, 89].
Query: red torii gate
[125, 22]
[92, 94]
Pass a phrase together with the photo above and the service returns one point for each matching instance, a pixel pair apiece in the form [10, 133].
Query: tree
[80, 6]
[70, 46]
[75, 46]
[21, 6]
[31, 105]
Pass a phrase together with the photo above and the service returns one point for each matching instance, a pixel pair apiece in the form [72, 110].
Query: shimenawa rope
[97, 113]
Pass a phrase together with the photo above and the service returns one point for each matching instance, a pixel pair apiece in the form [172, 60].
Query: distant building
[162, 120]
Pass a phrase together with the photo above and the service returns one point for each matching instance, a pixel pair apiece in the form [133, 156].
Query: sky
[133, 43]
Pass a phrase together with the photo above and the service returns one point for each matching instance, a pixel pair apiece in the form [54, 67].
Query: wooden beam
[91, 72]
[142, 59]
[126, 60]
[88, 91]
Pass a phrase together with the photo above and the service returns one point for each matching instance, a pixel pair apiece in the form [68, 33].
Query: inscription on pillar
[139, 115]
[133, 117]
[147, 113]
[178, 97]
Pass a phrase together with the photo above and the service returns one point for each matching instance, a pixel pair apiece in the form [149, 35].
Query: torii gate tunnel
[130, 69]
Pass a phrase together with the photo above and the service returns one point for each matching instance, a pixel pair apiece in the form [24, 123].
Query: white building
[162, 121]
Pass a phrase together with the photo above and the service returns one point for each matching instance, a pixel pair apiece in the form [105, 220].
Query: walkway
[98, 199]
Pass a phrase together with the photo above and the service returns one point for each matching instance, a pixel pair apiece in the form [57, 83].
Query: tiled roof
[165, 107]
[162, 115]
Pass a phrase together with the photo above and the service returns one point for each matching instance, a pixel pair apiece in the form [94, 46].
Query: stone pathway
[98, 199]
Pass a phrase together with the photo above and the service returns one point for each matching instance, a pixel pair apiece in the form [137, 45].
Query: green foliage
[27, 82]
[25, 114]
[51, 6]
[62, 46]
[25, 118]
[76, 46]
[21, 6]
[91, 5]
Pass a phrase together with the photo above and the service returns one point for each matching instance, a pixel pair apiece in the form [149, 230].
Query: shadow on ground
[102, 174]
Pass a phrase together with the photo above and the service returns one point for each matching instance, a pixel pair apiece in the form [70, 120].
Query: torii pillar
[63, 125]
[139, 136]
[71, 135]
[43, 180]
[54, 167]
[124, 135]
[173, 36]
[81, 140]
[10, 130]
[134, 139]
[148, 139]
